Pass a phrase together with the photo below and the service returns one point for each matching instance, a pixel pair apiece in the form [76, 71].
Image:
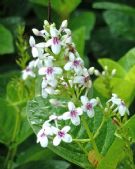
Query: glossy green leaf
[46, 164]
[120, 72]
[33, 153]
[63, 8]
[128, 60]
[117, 151]
[121, 24]
[79, 40]
[113, 6]
[7, 121]
[130, 76]
[83, 19]
[6, 41]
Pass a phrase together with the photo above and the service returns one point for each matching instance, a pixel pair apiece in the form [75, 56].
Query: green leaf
[120, 72]
[46, 164]
[33, 153]
[128, 60]
[130, 76]
[121, 23]
[79, 40]
[7, 121]
[38, 111]
[6, 41]
[121, 86]
[63, 8]
[117, 151]
[113, 6]
[83, 19]
[40, 108]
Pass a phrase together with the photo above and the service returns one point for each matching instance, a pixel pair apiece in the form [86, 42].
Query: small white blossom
[37, 49]
[91, 70]
[50, 72]
[61, 135]
[84, 79]
[73, 114]
[121, 107]
[27, 72]
[54, 42]
[42, 136]
[74, 64]
[88, 106]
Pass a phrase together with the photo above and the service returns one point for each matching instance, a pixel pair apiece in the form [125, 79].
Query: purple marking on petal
[73, 113]
[49, 70]
[28, 69]
[42, 135]
[86, 79]
[61, 134]
[55, 40]
[122, 103]
[76, 63]
[89, 106]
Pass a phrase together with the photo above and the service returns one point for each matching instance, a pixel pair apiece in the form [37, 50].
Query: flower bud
[91, 70]
[96, 72]
[35, 31]
[46, 23]
[113, 72]
[64, 24]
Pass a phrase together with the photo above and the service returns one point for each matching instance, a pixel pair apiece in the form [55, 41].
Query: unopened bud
[103, 73]
[35, 31]
[113, 72]
[91, 70]
[106, 68]
[46, 23]
[96, 72]
[64, 24]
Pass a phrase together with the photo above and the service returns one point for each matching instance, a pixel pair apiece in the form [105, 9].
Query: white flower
[50, 72]
[37, 49]
[73, 114]
[74, 64]
[61, 135]
[121, 107]
[42, 136]
[48, 87]
[88, 105]
[40, 33]
[84, 79]
[27, 72]
[54, 42]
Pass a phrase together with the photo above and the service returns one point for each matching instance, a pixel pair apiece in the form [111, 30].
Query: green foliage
[6, 41]
[83, 19]
[63, 8]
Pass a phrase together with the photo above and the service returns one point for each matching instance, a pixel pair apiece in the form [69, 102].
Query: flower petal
[56, 48]
[66, 129]
[122, 110]
[57, 70]
[75, 120]
[56, 141]
[67, 138]
[66, 116]
[71, 106]
[44, 93]
[79, 111]
[84, 100]
[93, 102]
[90, 113]
[41, 45]
[32, 41]
[34, 52]
[68, 66]
[44, 142]
[42, 71]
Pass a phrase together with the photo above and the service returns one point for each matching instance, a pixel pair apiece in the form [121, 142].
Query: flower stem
[81, 140]
[92, 141]
[99, 128]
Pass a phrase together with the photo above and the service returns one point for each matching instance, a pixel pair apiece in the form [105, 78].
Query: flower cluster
[59, 64]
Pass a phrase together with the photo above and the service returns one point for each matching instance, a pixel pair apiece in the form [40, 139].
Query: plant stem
[99, 128]
[83, 149]
[81, 140]
[92, 141]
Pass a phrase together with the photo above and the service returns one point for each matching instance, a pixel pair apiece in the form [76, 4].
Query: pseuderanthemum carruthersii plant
[67, 85]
